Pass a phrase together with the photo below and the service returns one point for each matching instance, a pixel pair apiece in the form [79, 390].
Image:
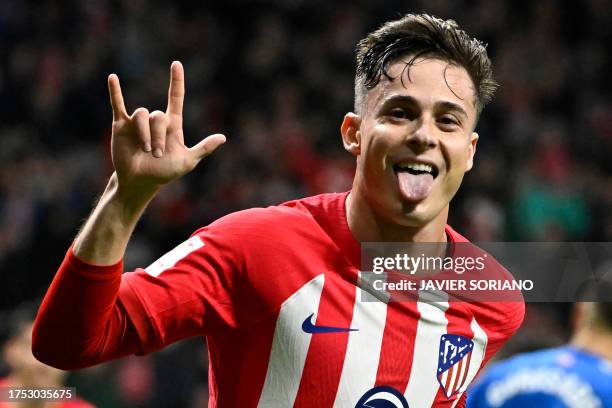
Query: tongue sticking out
[415, 187]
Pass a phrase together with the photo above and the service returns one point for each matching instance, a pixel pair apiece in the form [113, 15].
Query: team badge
[453, 362]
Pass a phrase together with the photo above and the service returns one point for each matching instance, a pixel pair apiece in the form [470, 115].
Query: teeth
[416, 167]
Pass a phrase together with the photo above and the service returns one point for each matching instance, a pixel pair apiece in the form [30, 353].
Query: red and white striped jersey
[275, 293]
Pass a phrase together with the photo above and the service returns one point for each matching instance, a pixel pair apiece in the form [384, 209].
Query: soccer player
[275, 290]
[576, 375]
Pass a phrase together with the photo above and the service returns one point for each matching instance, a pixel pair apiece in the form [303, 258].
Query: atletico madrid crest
[453, 362]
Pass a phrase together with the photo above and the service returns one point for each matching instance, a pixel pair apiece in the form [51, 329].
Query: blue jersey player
[578, 375]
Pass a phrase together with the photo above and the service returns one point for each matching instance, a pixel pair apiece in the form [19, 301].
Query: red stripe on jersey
[319, 382]
[398, 345]
[230, 380]
[467, 366]
[449, 376]
[459, 374]
[459, 320]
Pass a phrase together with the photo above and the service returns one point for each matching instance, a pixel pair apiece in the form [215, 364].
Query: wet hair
[421, 36]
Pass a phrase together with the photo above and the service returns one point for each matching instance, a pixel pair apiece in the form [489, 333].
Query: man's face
[414, 140]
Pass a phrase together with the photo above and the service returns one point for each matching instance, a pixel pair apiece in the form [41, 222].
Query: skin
[148, 151]
[430, 117]
[589, 333]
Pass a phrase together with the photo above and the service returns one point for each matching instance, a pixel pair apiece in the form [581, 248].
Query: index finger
[176, 92]
[116, 98]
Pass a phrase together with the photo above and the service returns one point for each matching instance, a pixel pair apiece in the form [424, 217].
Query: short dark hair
[422, 35]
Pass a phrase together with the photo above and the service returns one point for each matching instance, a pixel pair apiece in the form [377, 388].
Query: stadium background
[276, 77]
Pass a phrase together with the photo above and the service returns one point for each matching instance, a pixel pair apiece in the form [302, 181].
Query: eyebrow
[407, 99]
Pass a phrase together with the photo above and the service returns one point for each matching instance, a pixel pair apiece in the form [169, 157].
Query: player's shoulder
[296, 214]
[532, 359]
[542, 374]
[502, 309]
[453, 235]
[537, 357]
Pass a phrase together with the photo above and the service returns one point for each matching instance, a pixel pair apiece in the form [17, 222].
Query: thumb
[207, 146]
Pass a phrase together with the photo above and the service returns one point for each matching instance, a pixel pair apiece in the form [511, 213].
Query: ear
[472, 151]
[351, 136]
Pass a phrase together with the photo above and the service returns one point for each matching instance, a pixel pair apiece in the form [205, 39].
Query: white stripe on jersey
[169, 259]
[290, 346]
[463, 374]
[423, 383]
[363, 349]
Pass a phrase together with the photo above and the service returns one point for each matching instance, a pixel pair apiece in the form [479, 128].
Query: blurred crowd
[277, 77]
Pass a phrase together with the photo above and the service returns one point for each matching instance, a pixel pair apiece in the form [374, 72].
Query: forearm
[80, 322]
[105, 235]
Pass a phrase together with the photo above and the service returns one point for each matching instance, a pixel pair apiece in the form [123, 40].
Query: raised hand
[148, 149]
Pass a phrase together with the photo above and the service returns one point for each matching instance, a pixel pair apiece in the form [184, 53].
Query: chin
[413, 216]
[407, 214]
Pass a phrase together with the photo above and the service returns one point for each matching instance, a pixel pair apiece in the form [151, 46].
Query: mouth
[417, 169]
[415, 179]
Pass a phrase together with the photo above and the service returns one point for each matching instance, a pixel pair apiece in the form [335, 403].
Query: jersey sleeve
[462, 401]
[92, 314]
[79, 322]
[189, 291]
[499, 323]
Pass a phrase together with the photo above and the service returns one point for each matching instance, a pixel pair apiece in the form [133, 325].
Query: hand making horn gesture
[148, 149]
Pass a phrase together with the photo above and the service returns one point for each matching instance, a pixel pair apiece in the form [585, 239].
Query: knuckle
[141, 113]
[158, 117]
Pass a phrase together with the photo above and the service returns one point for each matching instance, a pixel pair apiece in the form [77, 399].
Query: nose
[422, 138]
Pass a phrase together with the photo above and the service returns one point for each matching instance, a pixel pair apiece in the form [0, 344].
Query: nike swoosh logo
[308, 327]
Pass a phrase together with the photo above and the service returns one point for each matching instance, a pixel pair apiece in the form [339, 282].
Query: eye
[398, 113]
[448, 121]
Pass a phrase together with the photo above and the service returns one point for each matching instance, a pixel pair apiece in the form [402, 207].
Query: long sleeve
[92, 314]
[80, 323]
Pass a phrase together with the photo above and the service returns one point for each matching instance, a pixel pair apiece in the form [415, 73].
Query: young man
[275, 290]
[576, 375]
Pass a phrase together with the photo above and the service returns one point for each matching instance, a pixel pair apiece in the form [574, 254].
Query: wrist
[130, 199]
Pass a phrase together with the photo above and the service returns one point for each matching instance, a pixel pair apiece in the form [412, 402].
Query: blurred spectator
[24, 371]
[549, 204]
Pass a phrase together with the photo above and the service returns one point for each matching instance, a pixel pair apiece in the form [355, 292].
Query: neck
[594, 340]
[367, 226]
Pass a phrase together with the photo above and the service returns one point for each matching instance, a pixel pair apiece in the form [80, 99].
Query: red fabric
[247, 282]
[312, 391]
[79, 324]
